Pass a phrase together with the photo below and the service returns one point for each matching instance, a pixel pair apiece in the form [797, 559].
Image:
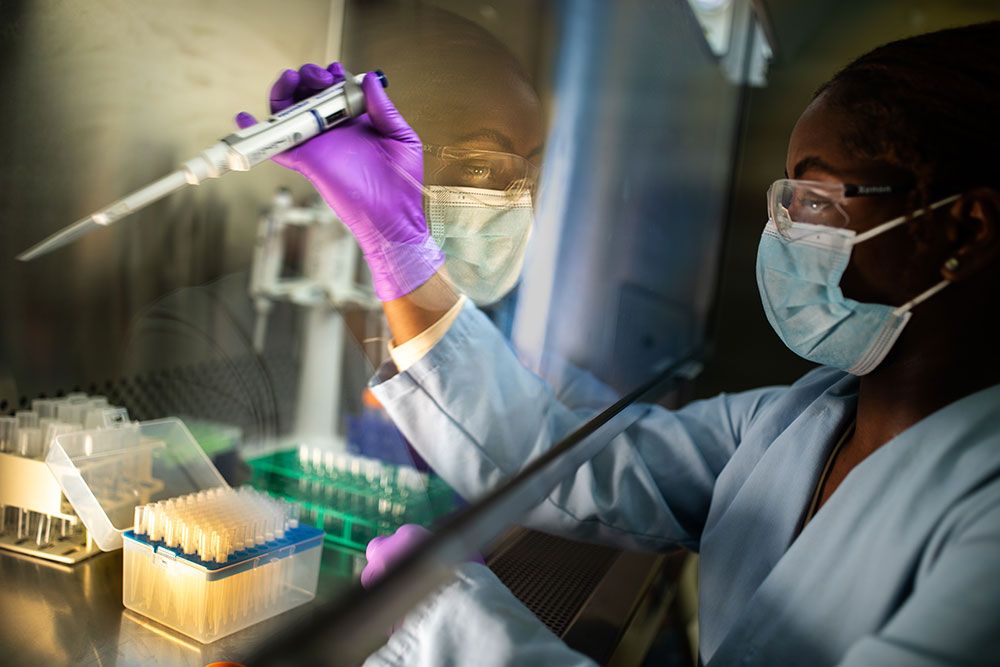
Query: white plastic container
[203, 599]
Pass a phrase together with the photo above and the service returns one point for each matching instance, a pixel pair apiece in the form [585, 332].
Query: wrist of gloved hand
[399, 268]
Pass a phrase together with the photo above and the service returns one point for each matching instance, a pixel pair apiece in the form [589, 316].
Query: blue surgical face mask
[484, 234]
[799, 284]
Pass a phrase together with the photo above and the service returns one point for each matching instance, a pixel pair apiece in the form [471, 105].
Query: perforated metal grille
[238, 391]
[553, 577]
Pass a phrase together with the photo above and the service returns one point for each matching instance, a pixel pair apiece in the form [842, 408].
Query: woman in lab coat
[850, 518]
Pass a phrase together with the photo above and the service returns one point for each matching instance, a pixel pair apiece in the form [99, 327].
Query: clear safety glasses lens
[512, 175]
[809, 202]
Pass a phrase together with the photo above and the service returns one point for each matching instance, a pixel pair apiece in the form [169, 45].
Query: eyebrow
[813, 162]
[500, 139]
[497, 137]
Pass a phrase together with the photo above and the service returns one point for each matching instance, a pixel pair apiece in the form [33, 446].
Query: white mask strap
[920, 298]
[896, 222]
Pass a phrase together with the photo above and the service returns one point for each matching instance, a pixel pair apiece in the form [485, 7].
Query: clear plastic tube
[26, 419]
[8, 429]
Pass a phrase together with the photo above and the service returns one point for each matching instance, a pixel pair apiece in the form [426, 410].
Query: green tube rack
[352, 498]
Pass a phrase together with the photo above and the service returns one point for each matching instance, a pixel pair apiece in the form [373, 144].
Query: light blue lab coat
[901, 566]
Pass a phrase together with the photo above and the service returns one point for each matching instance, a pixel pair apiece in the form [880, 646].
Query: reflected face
[492, 113]
[455, 93]
[480, 124]
[884, 269]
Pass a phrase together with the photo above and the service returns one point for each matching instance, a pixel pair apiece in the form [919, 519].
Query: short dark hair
[929, 104]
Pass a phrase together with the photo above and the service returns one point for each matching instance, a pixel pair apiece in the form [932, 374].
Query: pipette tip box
[199, 557]
[207, 600]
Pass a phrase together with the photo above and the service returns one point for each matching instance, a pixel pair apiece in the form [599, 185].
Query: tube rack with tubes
[35, 518]
[352, 498]
[199, 557]
[213, 562]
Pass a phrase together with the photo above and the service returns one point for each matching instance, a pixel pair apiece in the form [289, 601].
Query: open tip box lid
[106, 473]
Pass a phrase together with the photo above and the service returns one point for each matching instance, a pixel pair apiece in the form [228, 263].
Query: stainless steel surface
[110, 96]
[63, 237]
[62, 615]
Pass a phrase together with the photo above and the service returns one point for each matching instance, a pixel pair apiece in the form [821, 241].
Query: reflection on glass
[492, 170]
[475, 107]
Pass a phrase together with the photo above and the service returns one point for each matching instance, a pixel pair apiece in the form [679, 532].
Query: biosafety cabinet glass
[592, 142]
[634, 163]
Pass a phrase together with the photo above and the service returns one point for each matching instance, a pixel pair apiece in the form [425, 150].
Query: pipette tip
[60, 238]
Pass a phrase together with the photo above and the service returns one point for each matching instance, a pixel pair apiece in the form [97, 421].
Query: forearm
[413, 313]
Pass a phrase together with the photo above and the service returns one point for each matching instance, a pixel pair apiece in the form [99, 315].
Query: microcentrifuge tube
[8, 426]
[26, 419]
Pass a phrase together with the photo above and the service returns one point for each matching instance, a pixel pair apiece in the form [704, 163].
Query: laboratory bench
[73, 615]
[605, 603]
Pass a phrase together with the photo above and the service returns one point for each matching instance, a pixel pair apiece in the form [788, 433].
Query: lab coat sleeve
[474, 620]
[645, 481]
[951, 617]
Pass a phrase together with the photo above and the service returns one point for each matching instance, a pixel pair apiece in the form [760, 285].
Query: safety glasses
[817, 202]
[505, 173]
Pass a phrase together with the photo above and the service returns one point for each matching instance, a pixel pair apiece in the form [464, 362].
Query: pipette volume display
[239, 151]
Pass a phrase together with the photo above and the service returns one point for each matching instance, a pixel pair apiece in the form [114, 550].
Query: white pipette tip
[212, 525]
[59, 239]
[121, 208]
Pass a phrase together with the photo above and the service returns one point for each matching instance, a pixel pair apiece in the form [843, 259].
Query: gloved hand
[369, 170]
[386, 550]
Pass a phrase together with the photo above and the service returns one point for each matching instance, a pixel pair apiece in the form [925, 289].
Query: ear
[976, 230]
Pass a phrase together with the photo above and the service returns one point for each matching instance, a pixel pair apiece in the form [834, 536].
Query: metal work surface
[62, 615]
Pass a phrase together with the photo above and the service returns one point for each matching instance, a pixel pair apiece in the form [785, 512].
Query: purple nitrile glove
[369, 170]
[385, 551]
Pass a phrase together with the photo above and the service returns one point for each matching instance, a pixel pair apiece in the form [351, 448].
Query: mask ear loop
[895, 222]
[920, 298]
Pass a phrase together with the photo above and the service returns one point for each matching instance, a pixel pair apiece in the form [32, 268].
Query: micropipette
[237, 152]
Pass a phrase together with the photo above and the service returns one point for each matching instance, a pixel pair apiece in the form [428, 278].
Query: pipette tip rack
[214, 562]
[35, 518]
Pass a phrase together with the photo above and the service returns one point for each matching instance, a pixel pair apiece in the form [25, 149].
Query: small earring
[951, 264]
